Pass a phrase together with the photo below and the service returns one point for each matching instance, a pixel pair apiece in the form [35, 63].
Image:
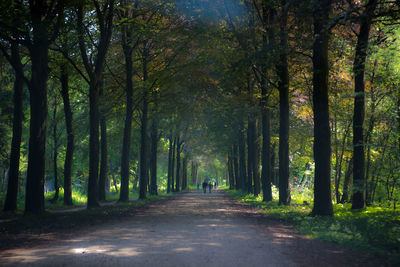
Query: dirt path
[193, 229]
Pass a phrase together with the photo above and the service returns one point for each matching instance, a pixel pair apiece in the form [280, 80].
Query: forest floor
[189, 229]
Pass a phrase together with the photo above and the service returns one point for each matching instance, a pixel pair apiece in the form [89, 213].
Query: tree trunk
[256, 164]
[339, 160]
[173, 165]
[93, 144]
[70, 137]
[242, 160]
[55, 152]
[169, 165]
[347, 182]
[34, 197]
[178, 164]
[283, 87]
[126, 142]
[322, 134]
[103, 159]
[230, 171]
[143, 136]
[153, 159]
[95, 72]
[184, 173]
[359, 184]
[235, 166]
[250, 155]
[13, 173]
[266, 171]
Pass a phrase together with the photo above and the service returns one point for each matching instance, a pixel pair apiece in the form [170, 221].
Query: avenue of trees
[152, 95]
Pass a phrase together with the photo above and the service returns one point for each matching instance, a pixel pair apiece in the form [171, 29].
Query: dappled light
[190, 228]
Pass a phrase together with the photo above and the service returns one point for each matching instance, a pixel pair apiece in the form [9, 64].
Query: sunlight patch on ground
[107, 250]
[124, 252]
[182, 249]
[213, 244]
[282, 235]
[25, 257]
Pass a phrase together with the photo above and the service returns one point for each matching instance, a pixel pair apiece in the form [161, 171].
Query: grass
[374, 229]
[78, 199]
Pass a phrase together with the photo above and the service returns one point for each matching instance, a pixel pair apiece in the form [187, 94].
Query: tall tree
[153, 157]
[144, 174]
[94, 65]
[169, 177]
[70, 135]
[103, 158]
[10, 203]
[283, 87]
[242, 159]
[322, 133]
[128, 46]
[178, 163]
[37, 26]
[359, 182]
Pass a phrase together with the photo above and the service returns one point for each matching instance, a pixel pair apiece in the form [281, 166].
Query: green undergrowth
[78, 199]
[374, 229]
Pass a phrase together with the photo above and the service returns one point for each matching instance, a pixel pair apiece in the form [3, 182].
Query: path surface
[192, 229]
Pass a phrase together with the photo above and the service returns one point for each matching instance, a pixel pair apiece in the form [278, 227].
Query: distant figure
[204, 186]
[210, 187]
[198, 187]
[215, 184]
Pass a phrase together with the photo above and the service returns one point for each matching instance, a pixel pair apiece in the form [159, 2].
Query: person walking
[204, 186]
[210, 187]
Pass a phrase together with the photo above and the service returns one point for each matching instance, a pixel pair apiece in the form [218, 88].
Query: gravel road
[191, 229]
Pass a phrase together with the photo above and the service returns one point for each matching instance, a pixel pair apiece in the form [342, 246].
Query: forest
[292, 103]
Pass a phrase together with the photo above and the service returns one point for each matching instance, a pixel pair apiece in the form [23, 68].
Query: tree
[322, 133]
[359, 183]
[41, 21]
[283, 87]
[64, 78]
[13, 174]
[94, 70]
[128, 46]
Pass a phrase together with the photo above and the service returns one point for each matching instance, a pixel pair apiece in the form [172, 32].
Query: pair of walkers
[205, 185]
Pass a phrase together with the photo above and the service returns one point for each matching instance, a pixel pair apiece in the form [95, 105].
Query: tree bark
[235, 166]
[266, 171]
[178, 164]
[143, 135]
[347, 182]
[13, 173]
[173, 165]
[322, 134]
[95, 71]
[256, 164]
[103, 159]
[169, 165]
[230, 171]
[359, 183]
[242, 159]
[250, 155]
[184, 173]
[70, 137]
[93, 145]
[34, 197]
[55, 152]
[126, 142]
[153, 159]
[283, 87]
